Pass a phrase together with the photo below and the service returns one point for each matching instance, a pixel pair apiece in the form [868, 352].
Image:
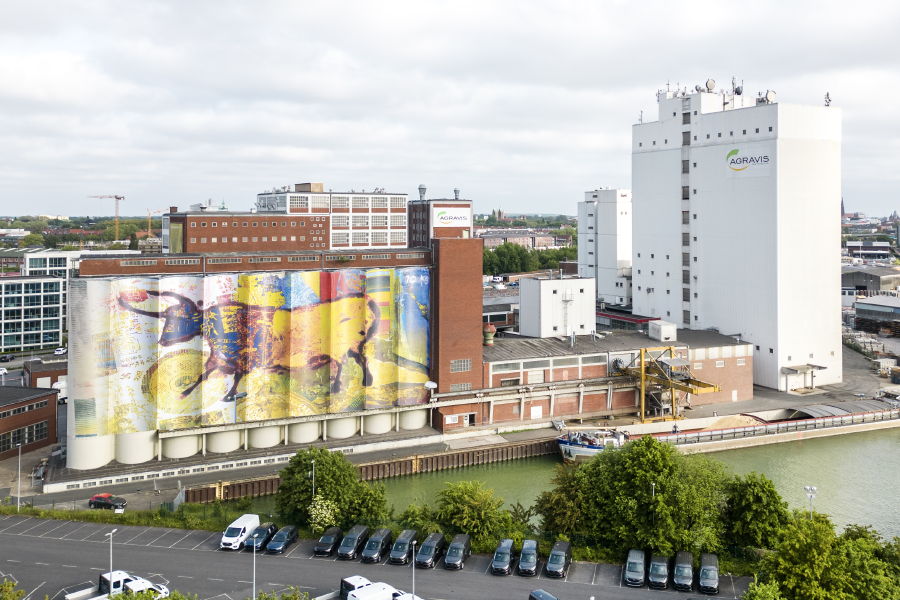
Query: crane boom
[118, 198]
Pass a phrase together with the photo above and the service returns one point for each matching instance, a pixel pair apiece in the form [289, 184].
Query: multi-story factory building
[735, 227]
[604, 243]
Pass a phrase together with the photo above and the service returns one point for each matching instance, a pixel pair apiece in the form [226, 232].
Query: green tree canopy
[33, 239]
[756, 511]
[336, 480]
[560, 507]
[468, 507]
[132, 241]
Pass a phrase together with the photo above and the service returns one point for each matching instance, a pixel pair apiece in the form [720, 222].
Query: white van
[375, 591]
[238, 532]
[142, 585]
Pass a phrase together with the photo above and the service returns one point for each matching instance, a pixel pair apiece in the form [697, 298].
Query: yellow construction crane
[150, 231]
[118, 198]
[663, 372]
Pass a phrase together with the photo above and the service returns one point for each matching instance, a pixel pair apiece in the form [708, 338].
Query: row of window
[303, 202]
[48, 312]
[17, 301]
[686, 137]
[545, 364]
[253, 223]
[43, 263]
[23, 409]
[363, 221]
[19, 326]
[364, 238]
[255, 239]
[35, 287]
[24, 436]
[28, 339]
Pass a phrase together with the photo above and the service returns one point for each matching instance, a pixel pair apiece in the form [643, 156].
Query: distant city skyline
[520, 105]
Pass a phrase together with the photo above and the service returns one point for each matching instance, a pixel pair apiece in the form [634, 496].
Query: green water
[857, 476]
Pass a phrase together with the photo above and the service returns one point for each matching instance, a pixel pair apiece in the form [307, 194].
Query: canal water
[857, 477]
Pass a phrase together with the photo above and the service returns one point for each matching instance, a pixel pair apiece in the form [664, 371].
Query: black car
[559, 560]
[284, 538]
[378, 545]
[329, 542]
[658, 576]
[260, 537]
[6, 358]
[431, 551]
[528, 560]
[401, 553]
[503, 559]
[106, 501]
[458, 551]
[354, 542]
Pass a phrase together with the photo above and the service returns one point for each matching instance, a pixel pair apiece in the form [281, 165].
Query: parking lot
[52, 557]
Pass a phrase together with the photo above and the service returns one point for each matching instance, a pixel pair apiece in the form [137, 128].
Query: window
[340, 221]
[685, 192]
[707, 136]
[640, 144]
[264, 259]
[741, 362]
[654, 142]
[770, 129]
[183, 261]
[379, 202]
[757, 130]
[745, 132]
[243, 239]
[203, 224]
[193, 240]
[224, 223]
[224, 261]
[360, 202]
[214, 240]
[537, 364]
[215, 224]
[460, 387]
[293, 223]
[685, 217]
[685, 295]
[320, 202]
[461, 365]
[686, 118]
[360, 238]
[254, 223]
[720, 134]
[686, 316]
[299, 201]
[380, 220]
[398, 237]
[340, 239]
[376, 256]
[720, 363]
[685, 166]
[340, 202]
[361, 221]
[398, 220]
[506, 367]
[137, 263]
[398, 202]
[695, 138]
[410, 256]
[265, 223]
[307, 258]
[685, 239]
[512, 382]
[193, 224]
[379, 237]
[685, 138]
[265, 239]
[256, 239]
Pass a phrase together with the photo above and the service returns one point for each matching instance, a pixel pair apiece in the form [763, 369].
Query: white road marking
[214, 579]
[33, 591]
[13, 525]
[160, 537]
[203, 542]
[74, 530]
[70, 566]
[55, 528]
[189, 533]
[185, 577]
[146, 529]
[44, 564]
[9, 560]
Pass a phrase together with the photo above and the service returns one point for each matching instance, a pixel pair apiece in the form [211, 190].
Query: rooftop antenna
[667, 85]
[827, 99]
[641, 119]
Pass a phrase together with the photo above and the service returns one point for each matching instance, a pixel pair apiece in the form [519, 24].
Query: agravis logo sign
[451, 217]
[752, 161]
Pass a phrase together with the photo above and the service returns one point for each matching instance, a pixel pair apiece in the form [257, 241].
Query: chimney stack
[422, 192]
[173, 209]
[456, 193]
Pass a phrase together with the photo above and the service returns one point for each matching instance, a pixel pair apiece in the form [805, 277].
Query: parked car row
[248, 533]
[660, 569]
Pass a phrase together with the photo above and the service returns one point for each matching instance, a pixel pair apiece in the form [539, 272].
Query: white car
[3, 371]
[60, 351]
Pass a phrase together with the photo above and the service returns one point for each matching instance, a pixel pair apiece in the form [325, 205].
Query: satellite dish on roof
[739, 90]
[697, 88]
[710, 84]
[770, 96]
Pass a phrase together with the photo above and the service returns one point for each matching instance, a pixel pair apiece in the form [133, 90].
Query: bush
[468, 507]
[322, 514]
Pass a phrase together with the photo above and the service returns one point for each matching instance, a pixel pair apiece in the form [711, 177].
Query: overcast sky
[520, 104]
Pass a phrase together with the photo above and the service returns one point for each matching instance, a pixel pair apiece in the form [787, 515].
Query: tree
[762, 591]
[805, 565]
[756, 512]
[468, 506]
[33, 239]
[560, 507]
[132, 241]
[649, 495]
[8, 591]
[868, 575]
[322, 514]
[421, 518]
[50, 241]
[337, 480]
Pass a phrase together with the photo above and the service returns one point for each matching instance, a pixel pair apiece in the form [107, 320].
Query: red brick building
[27, 417]
[442, 218]
[46, 372]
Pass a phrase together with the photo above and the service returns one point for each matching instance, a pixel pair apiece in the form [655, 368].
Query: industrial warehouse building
[172, 357]
[735, 202]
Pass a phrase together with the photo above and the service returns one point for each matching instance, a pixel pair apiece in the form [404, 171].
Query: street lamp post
[314, 478]
[414, 569]
[811, 494]
[110, 534]
[653, 501]
[19, 477]
[254, 566]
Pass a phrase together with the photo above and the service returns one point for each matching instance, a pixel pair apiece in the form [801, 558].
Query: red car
[106, 501]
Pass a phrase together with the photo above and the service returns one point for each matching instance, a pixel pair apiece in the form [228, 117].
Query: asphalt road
[53, 558]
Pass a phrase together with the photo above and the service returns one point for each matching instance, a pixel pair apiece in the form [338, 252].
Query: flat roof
[37, 366]
[879, 271]
[890, 301]
[12, 394]
[29, 278]
[380, 250]
[522, 348]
